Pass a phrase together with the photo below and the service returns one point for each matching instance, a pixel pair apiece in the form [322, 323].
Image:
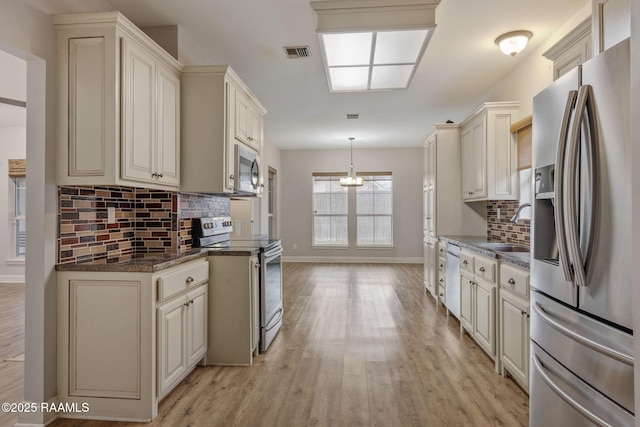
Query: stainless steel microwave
[247, 176]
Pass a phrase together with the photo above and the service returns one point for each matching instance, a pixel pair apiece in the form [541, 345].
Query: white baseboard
[354, 260]
[11, 278]
[39, 418]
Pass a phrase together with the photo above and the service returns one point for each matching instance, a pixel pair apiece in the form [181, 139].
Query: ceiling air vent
[353, 116]
[295, 52]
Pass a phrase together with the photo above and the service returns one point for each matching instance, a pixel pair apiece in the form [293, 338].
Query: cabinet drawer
[442, 282]
[181, 278]
[442, 248]
[441, 265]
[485, 268]
[466, 262]
[515, 279]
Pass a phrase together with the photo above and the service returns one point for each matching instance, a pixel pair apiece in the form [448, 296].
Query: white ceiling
[460, 64]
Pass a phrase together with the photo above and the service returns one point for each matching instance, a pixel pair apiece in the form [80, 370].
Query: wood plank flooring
[361, 345]
[11, 345]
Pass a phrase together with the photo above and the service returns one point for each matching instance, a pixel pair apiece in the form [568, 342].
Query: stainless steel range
[217, 234]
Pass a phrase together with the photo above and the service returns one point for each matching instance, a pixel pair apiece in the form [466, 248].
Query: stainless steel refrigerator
[581, 301]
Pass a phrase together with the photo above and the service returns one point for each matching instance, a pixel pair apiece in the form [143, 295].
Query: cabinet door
[474, 159]
[138, 112]
[254, 138]
[430, 187]
[466, 303]
[168, 131]
[514, 336]
[197, 325]
[430, 266]
[485, 315]
[171, 342]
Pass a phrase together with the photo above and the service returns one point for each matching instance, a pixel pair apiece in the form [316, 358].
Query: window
[330, 211]
[364, 214]
[19, 217]
[374, 211]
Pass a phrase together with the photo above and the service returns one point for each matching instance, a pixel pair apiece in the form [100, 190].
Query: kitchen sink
[503, 247]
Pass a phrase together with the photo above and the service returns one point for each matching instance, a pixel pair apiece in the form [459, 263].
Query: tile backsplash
[502, 229]
[146, 221]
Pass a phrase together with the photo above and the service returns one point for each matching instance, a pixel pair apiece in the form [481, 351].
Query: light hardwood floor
[360, 345]
[11, 345]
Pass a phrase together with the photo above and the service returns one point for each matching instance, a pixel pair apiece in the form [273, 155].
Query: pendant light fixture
[351, 180]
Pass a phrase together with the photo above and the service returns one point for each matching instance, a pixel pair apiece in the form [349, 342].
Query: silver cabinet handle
[609, 352]
[511, 281]
[189, 279]
[482, 269]
[232, 177]
[564, 396]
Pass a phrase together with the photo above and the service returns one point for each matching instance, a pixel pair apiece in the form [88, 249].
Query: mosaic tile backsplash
[146, 221]
[502, 229]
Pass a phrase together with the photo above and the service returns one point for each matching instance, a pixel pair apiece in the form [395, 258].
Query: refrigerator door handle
[572, 219]
[565, 396]
[609, 352]
[559, 187]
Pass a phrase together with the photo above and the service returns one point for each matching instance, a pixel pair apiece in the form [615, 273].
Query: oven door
[271, 309]
[247, 171]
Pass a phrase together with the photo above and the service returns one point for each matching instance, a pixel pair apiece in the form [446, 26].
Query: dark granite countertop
[520, 259]
[150, 263]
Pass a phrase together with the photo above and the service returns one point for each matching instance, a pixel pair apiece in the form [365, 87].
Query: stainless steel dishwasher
[452, 301]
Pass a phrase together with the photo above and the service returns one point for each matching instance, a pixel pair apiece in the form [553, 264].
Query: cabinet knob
[441, 266]
[189, 279]
[441, 295]
[232, 177]
[465, 262]
[441, 280]
[482, 269]
[470, 193]
[153, 175]
[160, 175]
[511, 281]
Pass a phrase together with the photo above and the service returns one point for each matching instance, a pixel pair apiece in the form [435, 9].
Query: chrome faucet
[514, 219]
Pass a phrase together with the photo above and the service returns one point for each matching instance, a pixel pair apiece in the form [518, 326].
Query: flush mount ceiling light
[351, 180]
[513, 42]
[373, 45]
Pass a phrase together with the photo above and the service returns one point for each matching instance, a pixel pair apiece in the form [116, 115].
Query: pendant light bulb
[351, 180]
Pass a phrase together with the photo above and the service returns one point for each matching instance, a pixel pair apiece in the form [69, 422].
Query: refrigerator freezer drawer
[600, 355]
[563, 399]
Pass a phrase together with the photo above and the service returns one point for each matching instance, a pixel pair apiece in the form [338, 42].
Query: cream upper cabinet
[248, 121]
[118, 104]
[611, 20]
[572, 50]
[489, 153]
[218, 113]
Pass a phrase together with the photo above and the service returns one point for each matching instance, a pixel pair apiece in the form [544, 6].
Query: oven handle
[274, 322]
[273, 253]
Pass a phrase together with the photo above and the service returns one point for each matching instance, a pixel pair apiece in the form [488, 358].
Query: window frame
[351, 213]
[330, 177]
[19, 184]
[372, 176]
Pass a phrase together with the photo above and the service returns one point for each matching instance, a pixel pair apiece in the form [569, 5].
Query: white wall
[535, 72]
[28, 33]
[13, 145]
[296, 212]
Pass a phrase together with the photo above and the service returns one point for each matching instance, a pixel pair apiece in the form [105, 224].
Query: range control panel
[212, 226]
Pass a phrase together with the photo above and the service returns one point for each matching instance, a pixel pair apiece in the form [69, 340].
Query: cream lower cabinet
[182, 336]
[430, 271]
[126, 338]
[514, 324]
[234, 307]
[478, 299]
[118, 104]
